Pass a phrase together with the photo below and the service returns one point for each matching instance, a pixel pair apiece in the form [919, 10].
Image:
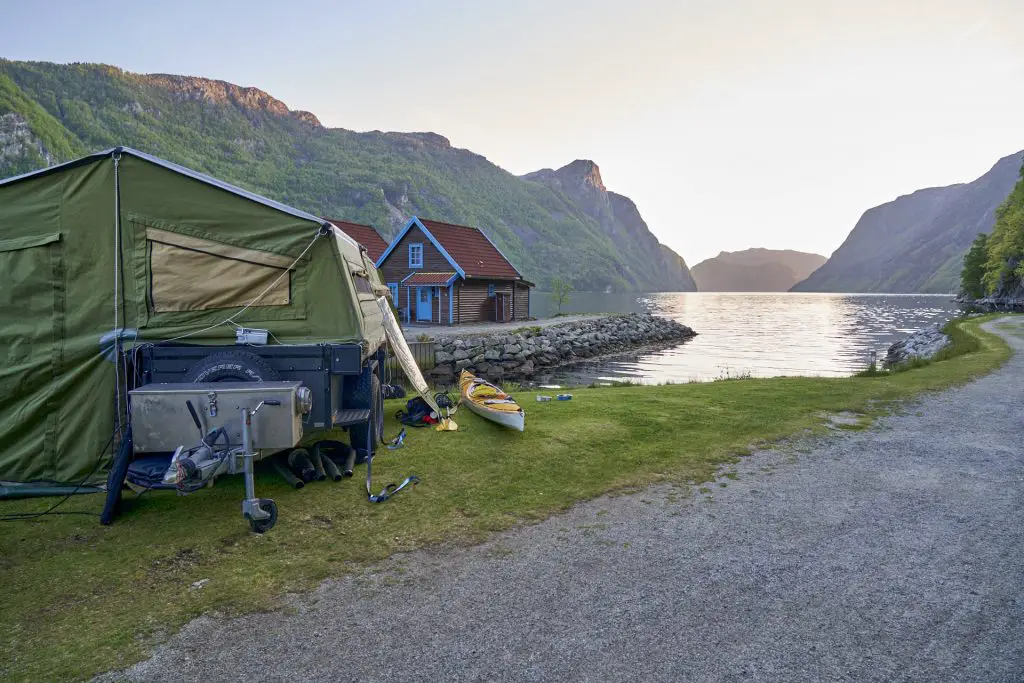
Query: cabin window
[393, 286]
[490, 291]
[192, 274]
[416, 255]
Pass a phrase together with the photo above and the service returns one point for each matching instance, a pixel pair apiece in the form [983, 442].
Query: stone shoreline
[994, 304]
[921, 344]
[526, 351]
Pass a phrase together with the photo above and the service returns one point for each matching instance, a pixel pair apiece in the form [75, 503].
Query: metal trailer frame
[335, 373]
[341, 379]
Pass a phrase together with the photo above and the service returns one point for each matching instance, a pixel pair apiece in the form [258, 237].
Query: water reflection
[761, 334]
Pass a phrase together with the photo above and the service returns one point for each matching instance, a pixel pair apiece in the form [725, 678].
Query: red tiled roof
[364, 234]
[428, 279]
[471, 250]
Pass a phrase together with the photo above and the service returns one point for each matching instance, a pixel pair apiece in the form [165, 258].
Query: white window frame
[413, 263]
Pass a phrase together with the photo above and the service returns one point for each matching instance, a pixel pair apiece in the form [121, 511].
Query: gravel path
[895, 554]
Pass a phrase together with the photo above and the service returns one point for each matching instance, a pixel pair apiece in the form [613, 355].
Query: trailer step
[351, 416]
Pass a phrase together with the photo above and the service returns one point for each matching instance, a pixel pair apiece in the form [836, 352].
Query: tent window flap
[190, 274]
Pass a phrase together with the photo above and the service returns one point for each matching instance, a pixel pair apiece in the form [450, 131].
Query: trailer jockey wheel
[262, 525]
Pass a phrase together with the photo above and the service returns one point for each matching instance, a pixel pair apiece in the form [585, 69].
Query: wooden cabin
[365, 235]
[445, 274]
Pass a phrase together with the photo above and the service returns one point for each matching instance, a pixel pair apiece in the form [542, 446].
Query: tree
[1004, 269]
[971, 284]
[560, 290]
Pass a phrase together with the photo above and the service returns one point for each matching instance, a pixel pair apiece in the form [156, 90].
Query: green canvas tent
[122, 245]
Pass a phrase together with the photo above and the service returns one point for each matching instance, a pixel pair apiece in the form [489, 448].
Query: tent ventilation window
[192, 274]
[362, 284]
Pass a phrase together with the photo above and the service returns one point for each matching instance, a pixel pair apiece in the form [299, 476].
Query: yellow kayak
[490, 402]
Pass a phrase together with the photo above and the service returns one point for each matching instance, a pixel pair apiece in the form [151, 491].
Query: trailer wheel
[263, 525]
[365, 437]
[232, 366]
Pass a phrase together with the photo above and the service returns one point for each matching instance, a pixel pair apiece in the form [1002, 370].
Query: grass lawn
[80, 598]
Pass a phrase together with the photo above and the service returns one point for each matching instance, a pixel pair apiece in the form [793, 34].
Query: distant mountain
[620, 220]
[916, 243]
[556, 223]
[755, 270]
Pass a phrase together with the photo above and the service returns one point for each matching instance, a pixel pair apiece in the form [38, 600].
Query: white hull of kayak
[512, 420]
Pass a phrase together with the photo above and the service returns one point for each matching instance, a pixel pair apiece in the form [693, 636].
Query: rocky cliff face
[573, 228]
[18, 142]
[916, 243]
[223, 93]
[755, 270]
[620, 220]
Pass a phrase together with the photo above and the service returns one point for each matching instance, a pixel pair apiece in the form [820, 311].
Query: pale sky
[731, 123]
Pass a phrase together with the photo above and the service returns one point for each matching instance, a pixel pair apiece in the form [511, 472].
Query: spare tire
[232, 366]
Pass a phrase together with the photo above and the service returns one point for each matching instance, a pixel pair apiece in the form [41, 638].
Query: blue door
[424, 304]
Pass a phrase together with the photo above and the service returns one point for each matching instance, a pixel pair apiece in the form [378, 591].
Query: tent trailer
[121, 270]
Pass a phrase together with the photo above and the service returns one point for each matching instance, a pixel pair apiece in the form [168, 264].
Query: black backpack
[416, 413]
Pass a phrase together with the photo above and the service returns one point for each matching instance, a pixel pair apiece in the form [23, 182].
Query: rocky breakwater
[526, 351]
[922, 344]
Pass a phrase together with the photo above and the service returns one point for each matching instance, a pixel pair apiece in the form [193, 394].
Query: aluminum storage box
[161, 421]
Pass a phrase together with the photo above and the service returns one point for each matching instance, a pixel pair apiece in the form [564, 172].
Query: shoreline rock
[921, 344]
[526, 351]
[993, 304]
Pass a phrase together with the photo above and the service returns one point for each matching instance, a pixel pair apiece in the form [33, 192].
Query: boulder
[922, 344]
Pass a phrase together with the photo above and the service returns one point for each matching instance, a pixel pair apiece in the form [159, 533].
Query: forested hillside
[51, 113]
[994, 266]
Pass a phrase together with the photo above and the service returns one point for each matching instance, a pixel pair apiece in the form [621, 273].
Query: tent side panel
[320, 305]
[58, 412]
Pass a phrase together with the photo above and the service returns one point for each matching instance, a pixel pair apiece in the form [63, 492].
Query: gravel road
[895, 554]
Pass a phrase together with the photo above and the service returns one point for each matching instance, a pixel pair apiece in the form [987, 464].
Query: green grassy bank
[80, 598]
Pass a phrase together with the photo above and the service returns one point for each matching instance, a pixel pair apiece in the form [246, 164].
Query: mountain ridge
[51, 113]
[916, 242]
[617, 215]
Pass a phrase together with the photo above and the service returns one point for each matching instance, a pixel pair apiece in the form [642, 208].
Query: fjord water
[757, 334]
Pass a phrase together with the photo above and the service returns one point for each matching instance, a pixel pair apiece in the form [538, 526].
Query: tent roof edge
[201, 177]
